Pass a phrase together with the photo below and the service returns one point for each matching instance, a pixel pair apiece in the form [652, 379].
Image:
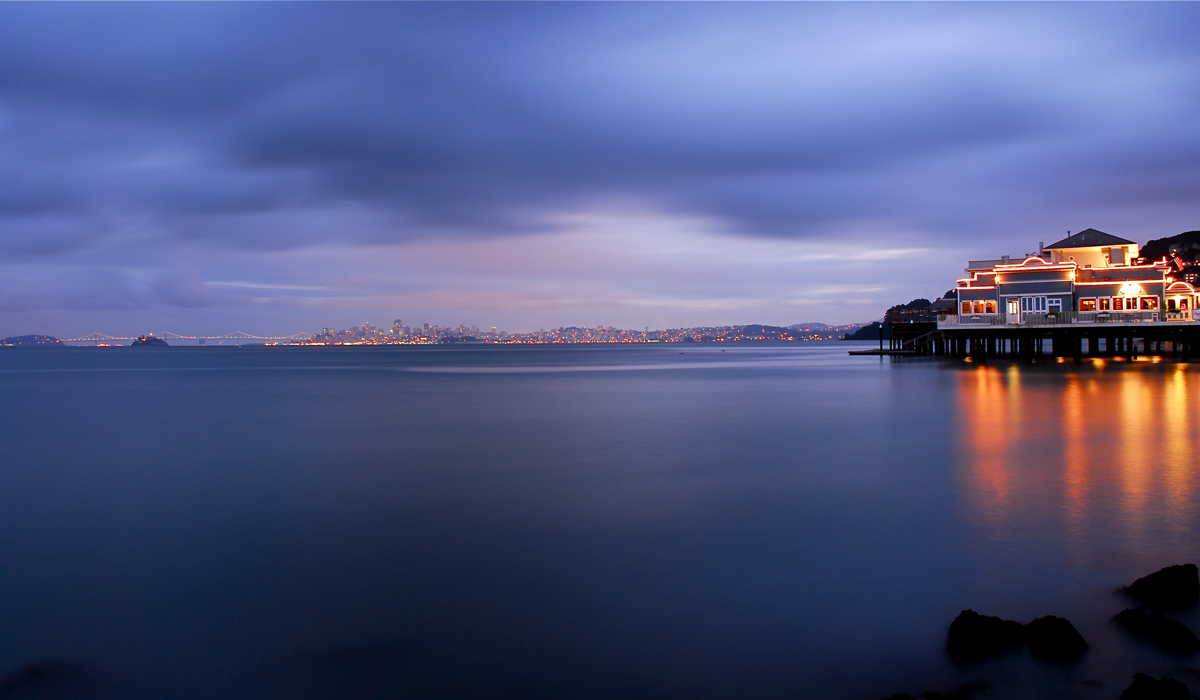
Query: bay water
[654, 521]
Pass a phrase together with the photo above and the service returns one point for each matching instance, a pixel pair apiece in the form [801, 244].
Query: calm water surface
[586, 522]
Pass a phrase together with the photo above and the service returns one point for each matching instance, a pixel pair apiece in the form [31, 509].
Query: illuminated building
[1088, 278]
[1089, 294]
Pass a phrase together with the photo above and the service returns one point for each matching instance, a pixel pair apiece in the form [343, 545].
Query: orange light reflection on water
[1104, 454]
[983, 393]
[1076, 455]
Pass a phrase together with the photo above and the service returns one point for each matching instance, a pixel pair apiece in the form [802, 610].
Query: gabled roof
[1088, 238]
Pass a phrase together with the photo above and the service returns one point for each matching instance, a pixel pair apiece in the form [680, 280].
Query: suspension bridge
[101, 338]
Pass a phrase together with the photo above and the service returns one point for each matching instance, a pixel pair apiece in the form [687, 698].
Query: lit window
[1104, 304]
[989, 307]
[1087, 304]
[1150, 303]
[1118, 304]
[966, 307]
[978, 307]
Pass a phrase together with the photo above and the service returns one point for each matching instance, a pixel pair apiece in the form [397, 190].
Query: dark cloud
[130, 134]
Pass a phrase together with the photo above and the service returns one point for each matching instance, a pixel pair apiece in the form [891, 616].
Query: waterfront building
[1091, 293]
[1090, 277]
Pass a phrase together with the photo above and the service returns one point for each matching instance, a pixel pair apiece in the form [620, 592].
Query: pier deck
[1064, 335]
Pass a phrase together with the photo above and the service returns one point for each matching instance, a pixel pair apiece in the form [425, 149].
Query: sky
[278, 168]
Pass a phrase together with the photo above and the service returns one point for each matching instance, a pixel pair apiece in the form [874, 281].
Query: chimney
[1041, 250]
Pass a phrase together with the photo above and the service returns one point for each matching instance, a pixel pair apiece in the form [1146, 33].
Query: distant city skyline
[285, 167]
[400, 333]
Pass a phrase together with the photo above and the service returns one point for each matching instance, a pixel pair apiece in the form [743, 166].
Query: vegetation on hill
[1186, 244]
[870, 332]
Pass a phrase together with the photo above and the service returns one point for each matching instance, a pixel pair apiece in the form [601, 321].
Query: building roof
[1088, 238]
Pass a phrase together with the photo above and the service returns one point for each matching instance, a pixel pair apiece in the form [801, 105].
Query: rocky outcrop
[44, 678]
[974, 636]
[1053, 638]
[1149, 688]
[1172, 586]
[1151, 625]
[144, 341]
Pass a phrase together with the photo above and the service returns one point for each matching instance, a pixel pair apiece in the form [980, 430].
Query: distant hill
[30, 341]
[1187, 244]
[913, 305]
[806, 326]
[756, 331]
[870, 332]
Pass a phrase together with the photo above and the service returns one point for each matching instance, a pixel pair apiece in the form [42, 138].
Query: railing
[1061, 318]
[971, 320]
[1045, 319]
[1118, 316]
[1027, 319]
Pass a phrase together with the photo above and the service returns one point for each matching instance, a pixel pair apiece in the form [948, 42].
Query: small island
[148, 341]
[30, 341]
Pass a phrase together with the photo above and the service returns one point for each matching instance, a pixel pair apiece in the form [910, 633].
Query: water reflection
[1103, 454]
[1076, 455]
[987, 398]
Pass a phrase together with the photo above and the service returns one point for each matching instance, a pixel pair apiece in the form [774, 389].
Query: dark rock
[974, 636]
[1153, 626]
[1169, 587]
[42, 677]
[1054, 639]
[1149, 688]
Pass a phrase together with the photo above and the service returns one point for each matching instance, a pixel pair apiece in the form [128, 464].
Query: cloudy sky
[281, 167]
